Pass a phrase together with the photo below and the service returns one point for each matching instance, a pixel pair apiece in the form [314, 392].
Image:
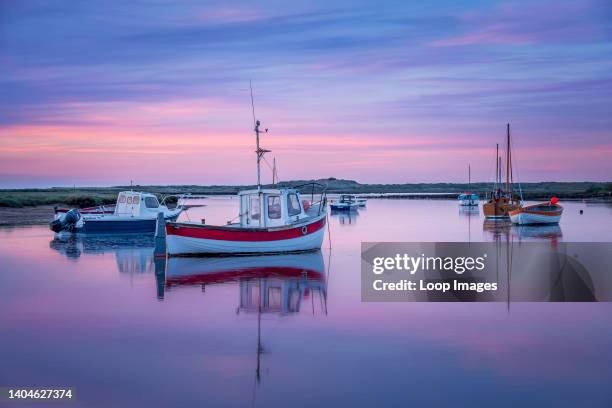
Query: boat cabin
[347, 198]
[137, 204]
[271, 207]
[469, 196]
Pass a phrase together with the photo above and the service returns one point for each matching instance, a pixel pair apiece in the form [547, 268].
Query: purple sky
[99, 93]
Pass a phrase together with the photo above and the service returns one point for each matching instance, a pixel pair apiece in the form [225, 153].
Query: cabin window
[293, 205]
[255, 208]
[274, 207]
[151, 202]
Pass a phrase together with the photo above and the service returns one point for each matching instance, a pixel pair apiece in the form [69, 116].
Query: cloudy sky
[101, 93]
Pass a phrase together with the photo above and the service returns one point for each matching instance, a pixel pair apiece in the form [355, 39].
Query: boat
[501, 200]
[134, 212]
[102, 209]
[271, 220]
[469, 199]
[543, 213]
[346, 202]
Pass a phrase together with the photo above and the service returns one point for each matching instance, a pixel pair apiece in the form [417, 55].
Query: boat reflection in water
[497, 228]
[545, 232]
[345, 217]
[134, 253]
[272, 284]
[268, 283]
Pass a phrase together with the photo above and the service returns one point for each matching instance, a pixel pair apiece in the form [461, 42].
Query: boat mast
[469, 178]
[496, 166]
[499, 176]
[508, 158]
[259, 151]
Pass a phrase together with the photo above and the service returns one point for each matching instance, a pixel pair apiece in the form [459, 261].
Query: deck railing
[313, 186]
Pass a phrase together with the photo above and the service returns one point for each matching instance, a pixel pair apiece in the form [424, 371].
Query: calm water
[102, 316]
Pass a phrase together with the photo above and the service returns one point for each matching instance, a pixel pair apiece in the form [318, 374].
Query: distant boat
[273, 220]
[543, 213]
[502, 200]
[347, 202]
[468, 198]
[134, 212]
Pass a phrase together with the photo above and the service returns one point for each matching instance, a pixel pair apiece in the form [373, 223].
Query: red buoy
[554, 200]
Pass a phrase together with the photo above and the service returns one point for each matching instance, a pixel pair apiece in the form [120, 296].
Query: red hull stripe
[247, 273]
[225, 234]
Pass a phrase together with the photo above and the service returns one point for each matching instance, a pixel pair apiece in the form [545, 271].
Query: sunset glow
[99, 93]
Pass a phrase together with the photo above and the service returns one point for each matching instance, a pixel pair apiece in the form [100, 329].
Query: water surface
[103, 316]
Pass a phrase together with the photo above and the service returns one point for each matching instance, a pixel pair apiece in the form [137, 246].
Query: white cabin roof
[268, 191]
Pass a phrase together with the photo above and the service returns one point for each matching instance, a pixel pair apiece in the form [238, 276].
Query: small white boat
[469, 199]
[269, 221]
[543, 213]
[134, 212]
[361, 201]
[347, 202]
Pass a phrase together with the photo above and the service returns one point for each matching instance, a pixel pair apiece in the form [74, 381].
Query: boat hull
[117, 227]
[196, 239]
[532, 215]
[111, 224]
[344, 206]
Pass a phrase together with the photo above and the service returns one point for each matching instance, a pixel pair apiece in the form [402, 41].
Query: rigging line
[271, 169]
[268, 163]
[252, 103]
[328, 231]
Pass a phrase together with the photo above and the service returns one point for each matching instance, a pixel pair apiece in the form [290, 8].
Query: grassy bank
[72, 198]
[86, 197]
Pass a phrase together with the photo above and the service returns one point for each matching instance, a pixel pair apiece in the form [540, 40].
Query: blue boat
[347, 202]
[135, 212]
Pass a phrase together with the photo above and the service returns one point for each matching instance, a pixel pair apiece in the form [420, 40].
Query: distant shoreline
[92, 196]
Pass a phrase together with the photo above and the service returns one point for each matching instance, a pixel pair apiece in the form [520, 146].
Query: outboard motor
[65, 222]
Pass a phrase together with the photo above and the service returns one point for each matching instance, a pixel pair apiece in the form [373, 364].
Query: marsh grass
[92, 196]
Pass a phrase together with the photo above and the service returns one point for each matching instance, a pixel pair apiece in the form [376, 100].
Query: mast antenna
[259, 151]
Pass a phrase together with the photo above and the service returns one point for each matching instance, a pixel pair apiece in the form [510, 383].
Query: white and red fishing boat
[271, 220]
[543, 213]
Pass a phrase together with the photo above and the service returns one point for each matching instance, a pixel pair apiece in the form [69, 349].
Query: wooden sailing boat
[502, 200]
